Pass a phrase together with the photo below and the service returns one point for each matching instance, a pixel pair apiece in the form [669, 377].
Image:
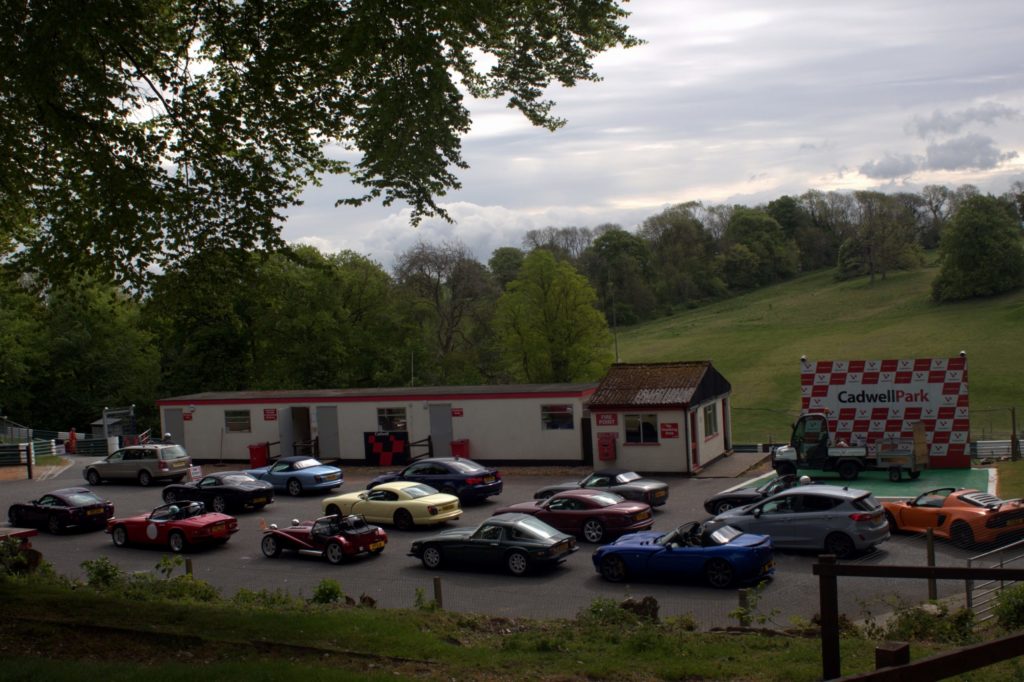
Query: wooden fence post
[744, 610]
[888, 654]
[828, 596]
[438, 597]
[933, 590]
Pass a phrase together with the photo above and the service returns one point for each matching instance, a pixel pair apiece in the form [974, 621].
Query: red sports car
[177, 526]
[964, 517]
[593, 514]
[336, 538]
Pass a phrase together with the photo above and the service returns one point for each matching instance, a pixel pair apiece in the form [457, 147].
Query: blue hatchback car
[452, 475]
[298, 474]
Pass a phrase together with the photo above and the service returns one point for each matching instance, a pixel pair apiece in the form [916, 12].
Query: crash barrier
[991, 448]
[982, 597]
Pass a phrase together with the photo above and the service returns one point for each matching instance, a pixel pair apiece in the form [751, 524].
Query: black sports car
[452, 475]
[62, 509]
[517, 542]
[223, 490]
[628, 484]
[728, 499]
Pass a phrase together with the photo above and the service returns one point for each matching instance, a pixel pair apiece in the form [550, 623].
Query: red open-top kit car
[334, 537]
[177, 526]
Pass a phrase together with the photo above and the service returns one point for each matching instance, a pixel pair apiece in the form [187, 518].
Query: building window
[391, 419]
[641, 428]
[556, 417]
[711, 420]
[237, 421]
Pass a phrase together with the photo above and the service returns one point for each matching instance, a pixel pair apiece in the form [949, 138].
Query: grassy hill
[756, 342]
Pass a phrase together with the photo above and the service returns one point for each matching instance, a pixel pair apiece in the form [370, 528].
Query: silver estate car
[827, 518]
[143, 463]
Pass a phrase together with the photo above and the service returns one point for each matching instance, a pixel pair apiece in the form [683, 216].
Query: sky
[728, 102]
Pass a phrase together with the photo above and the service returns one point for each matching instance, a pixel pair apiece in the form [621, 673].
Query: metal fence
[982, 597]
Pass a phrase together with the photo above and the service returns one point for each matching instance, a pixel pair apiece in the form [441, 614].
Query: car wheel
[93, 477]
[593, 530]
[176, 541]
[914, 475]
[848, 470]
[517, 563]
[403, 520]
[719, 573]
[961, 535]
[145, 478]
[54, 525]
[170, 496]
[895, 474]
[294, 487]
[543, 494]
[220, 505]
[723, 506]
[119, 535]
[613, 568]
[334, 553]
[271, 546]
[891, 520]
[839, 544]
[432, 557]
[785, 469]
[332, 510]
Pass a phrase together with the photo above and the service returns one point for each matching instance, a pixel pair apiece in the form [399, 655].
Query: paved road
[393, 578]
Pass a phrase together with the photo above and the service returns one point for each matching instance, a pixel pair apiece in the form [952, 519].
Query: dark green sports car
[516, 542]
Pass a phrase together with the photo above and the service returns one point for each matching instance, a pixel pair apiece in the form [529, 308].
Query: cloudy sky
[730, 101]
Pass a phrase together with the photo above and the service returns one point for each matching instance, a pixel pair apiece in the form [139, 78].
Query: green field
[756, 341]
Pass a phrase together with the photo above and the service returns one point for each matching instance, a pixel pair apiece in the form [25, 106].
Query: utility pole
[1014, 441]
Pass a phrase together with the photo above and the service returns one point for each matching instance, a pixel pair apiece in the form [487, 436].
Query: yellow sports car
[403, 503]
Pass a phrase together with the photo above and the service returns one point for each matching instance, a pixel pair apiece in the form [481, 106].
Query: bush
[932, 623]
[102, 573]
[1009, 610]
[327, 592]
[265, 599]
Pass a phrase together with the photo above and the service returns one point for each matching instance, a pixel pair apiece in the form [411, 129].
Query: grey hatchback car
[829, 518]
[142, 463]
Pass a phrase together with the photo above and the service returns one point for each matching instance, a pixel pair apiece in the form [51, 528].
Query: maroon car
[177, 526]
[593, 514]
[62, 509]
[335, 538]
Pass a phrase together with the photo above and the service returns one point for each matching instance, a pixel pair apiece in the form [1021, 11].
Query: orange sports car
[963, 516]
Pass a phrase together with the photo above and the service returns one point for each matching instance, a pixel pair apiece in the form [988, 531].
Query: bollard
[744, 610]
[438, 600]
[933, 590]
[188, 567]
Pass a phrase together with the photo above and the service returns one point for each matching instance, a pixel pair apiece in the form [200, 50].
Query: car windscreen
[305, 463]
[173, 452]
[867, 503]
[237, 479]
[420, 490]
[627, 476]
[606, 499]
[536, 528]
[464, 467]
[81, 499]
[724, 535]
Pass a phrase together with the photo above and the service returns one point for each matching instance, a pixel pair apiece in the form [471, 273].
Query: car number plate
[643, 515]
[660, 493]
[219, 529]
[259, 500]
[488, 479]
[94, 512]
[1014, 522]
[376, 545]
[768, 566]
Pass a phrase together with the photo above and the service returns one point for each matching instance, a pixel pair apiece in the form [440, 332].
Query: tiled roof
[654, 384]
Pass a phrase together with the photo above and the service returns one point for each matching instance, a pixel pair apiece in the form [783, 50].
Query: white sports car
[403, 503]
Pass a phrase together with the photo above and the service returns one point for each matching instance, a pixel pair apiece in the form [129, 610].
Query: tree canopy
[138, 132]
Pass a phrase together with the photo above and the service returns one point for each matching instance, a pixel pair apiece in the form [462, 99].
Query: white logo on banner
[939, 364]
[939, 450]
[820, 379]
[906, 365]
[958, 437]
[872, 365]
[839, 366]
[961, 413]
[886, 377]
[953, 376]
[877, 425]
[854, 378]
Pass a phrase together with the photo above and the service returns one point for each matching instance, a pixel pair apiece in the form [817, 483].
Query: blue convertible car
[723, 557]
[298, 474]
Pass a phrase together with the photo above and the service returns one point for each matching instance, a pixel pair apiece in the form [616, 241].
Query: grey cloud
[952, 123]
[970, 151]
[891, 166]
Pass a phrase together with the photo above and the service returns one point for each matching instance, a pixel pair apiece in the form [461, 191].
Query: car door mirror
[757, 513]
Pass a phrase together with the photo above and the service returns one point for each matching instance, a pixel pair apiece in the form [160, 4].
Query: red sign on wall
[607, 419]
[670, 430]
[270, 414]
[187, 416]
[456, 411]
